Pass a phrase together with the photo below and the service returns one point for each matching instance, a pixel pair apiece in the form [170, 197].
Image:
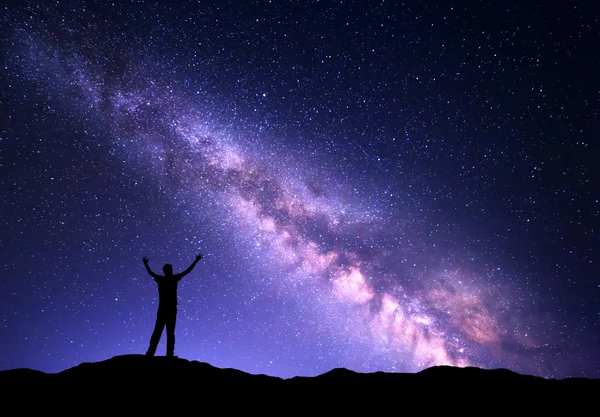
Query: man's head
[168, 269]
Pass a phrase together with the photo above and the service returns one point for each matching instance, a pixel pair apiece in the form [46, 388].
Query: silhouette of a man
[167, 304]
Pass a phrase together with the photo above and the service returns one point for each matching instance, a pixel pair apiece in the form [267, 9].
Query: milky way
[340, 264]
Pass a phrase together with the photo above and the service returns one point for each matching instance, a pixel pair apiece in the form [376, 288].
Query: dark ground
[139, 369]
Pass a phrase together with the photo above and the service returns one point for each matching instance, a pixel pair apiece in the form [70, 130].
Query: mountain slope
[140, 369]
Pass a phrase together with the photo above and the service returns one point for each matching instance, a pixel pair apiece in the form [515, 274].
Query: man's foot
[149, 354]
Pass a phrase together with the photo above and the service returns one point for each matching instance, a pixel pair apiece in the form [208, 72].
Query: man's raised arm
[152, 274]
[187, 271]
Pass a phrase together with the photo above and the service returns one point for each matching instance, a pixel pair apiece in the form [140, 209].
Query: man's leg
[171, 319]
[158, 329]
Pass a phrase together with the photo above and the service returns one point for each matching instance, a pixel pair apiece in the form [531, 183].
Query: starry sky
[374, 185]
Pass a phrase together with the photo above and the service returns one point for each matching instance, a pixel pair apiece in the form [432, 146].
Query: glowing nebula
[307, 231]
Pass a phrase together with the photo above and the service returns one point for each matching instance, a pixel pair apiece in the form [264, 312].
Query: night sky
[373, 185]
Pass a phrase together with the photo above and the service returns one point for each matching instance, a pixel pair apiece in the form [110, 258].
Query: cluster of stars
[375, 186]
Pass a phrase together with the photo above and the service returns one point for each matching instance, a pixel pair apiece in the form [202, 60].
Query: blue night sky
[374, 185]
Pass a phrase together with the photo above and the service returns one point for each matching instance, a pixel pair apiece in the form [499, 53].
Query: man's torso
[167, 292]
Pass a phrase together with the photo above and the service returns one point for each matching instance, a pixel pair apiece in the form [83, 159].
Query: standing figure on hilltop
[167, 304]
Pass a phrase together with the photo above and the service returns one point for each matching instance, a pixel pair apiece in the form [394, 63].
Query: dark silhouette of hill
[139, 369]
